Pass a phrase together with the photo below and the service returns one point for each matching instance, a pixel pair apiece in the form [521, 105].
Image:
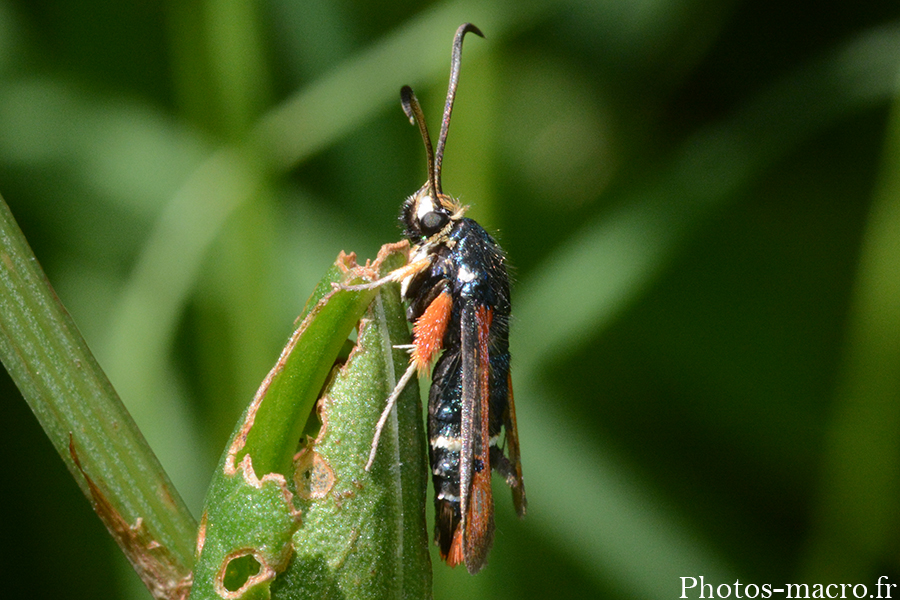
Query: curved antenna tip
[468, 28]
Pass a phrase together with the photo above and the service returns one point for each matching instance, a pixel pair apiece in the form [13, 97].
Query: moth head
[425, 215]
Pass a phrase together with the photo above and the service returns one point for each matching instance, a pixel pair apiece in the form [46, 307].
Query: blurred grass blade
[154, 296]
[617, 258]
[363, 533]
[618, 255]
[857, 520]
[78, 409]
[625, 528]
[308, 122]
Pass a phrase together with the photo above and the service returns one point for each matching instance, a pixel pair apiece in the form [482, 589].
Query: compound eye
[433, 221]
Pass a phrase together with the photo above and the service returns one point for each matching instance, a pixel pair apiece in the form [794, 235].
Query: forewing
[477, 504]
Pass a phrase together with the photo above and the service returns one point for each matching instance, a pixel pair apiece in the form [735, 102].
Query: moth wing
[511, 466]
[476, 501]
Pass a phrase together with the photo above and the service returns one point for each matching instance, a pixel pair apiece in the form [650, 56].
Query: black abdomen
[445, 443]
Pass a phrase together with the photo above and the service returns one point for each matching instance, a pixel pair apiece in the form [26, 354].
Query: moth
[457, 288]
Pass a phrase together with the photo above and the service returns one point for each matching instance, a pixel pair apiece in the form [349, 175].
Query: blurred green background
[700, 199]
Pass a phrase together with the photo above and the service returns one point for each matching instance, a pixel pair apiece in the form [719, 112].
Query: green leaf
[363, 533]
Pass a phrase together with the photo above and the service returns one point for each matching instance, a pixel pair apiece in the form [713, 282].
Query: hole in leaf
[314, 421]
[313, 476]
[238, 571]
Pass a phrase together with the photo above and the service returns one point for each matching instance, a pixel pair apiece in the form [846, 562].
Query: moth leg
[392, 399]
[395, 276]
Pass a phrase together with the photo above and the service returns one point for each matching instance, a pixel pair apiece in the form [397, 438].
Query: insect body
[457, 287]
[463, 297]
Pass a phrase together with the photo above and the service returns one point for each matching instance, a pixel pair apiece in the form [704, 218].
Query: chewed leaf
[364, 532]
[253, 505]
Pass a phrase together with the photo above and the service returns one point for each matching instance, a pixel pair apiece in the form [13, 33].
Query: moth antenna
[413, 111]
[455, 61]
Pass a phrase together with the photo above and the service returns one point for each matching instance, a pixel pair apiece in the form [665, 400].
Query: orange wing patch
[428, 332]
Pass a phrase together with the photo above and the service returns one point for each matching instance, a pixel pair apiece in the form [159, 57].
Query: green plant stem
[82, 415]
